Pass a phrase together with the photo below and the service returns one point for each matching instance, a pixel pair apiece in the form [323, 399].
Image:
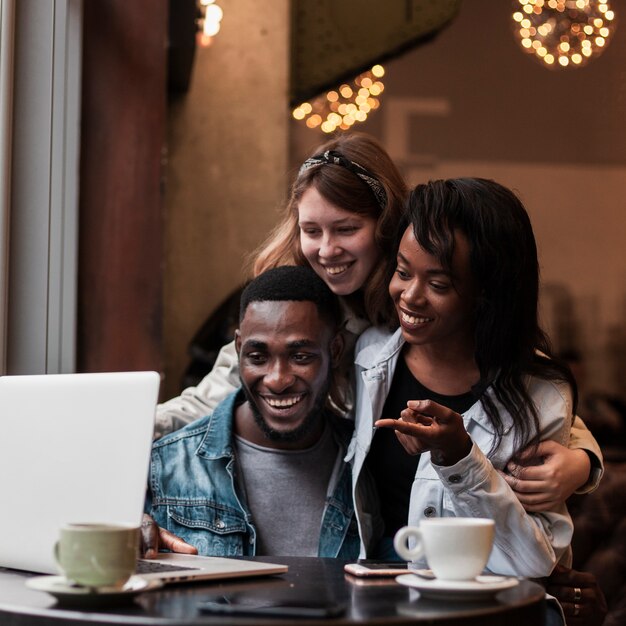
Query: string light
[209, 21]
[563, 33]
[345, 106]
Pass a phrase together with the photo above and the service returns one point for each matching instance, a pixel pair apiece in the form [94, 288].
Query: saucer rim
[452, 587]
[60, 586]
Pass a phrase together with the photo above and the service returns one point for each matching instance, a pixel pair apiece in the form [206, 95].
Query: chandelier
[209, 21]
[563, 33]
[344, 106]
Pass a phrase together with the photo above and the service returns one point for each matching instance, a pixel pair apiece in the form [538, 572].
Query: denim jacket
[193, 490]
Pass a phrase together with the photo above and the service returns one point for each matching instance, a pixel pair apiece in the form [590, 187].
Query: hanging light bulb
[209, 21]
[563, 33]
[345, 106]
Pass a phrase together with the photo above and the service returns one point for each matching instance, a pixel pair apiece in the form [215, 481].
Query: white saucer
[479, 589]
[67, 592]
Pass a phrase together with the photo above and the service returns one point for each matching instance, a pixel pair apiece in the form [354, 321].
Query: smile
[414, 320]
[335, 270]
[283, 403]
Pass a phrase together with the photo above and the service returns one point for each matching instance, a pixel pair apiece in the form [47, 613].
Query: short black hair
[292, 282]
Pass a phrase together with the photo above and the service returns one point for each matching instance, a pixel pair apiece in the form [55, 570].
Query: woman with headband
[342, 217]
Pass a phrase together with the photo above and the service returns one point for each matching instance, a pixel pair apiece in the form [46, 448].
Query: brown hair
[344, 189]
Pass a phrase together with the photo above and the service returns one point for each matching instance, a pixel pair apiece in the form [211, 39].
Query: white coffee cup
[456, 548]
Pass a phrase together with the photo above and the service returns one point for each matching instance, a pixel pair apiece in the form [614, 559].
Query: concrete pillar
[227, 167]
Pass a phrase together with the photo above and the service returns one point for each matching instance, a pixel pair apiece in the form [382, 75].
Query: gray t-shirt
[286, 493]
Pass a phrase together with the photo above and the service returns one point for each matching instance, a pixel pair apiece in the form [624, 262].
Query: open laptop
[76, 448]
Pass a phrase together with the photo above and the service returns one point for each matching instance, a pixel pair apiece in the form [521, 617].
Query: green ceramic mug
[98, 555]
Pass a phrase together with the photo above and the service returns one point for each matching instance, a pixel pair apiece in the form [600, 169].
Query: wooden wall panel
[121, 199]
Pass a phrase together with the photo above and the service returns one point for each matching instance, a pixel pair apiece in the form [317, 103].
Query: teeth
[284, 403]
[336, 269]
[409, 319]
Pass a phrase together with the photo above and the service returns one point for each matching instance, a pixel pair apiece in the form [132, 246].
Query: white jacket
[525, 544]
[196, 402]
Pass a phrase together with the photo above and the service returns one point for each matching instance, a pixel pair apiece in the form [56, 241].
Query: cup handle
[401, 547]
[57, 556]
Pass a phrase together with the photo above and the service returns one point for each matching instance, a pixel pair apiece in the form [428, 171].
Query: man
[264, 473]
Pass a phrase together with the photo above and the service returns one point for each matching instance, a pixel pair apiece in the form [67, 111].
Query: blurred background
[467, 101]
[134, 190]
[147, 147]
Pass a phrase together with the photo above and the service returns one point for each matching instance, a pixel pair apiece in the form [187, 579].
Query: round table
[379, 601]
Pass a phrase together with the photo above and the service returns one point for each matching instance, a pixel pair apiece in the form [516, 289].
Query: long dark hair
[509, 343]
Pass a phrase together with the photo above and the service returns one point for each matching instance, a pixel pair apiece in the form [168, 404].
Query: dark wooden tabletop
[368, 602]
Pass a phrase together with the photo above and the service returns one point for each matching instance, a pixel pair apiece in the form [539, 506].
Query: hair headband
[331, 156]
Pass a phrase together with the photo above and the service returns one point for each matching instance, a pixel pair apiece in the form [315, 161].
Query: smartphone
[376, 568]
[241, 605]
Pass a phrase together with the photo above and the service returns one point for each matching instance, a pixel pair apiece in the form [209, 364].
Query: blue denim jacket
[193, 490]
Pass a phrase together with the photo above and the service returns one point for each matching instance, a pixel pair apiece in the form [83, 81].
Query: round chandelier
[348, 104]
[563, 33]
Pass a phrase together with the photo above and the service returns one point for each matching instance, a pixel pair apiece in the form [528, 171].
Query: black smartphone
[375, 569]
[241, 605]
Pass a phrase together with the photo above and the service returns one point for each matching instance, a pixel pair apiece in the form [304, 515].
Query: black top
[392, 467]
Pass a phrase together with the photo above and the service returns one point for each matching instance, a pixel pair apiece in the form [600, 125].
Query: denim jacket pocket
[211, 528]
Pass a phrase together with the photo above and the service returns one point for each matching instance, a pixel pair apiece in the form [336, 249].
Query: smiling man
[264, 473]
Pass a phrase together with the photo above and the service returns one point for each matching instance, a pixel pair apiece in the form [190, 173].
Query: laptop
[76, 448]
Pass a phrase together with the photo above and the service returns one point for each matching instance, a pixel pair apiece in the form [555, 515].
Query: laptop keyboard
[146, 566]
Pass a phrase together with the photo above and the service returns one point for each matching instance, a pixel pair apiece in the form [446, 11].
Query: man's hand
[579, 595]
[153, 538]
[545, 478]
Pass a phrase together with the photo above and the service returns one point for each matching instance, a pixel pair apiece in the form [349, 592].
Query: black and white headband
[331, 156]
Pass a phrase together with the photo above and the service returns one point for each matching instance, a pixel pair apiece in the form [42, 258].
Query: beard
[309, 423]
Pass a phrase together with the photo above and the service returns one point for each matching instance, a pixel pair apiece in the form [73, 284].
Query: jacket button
[220, 523]
[455, 478]
[430, 511]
